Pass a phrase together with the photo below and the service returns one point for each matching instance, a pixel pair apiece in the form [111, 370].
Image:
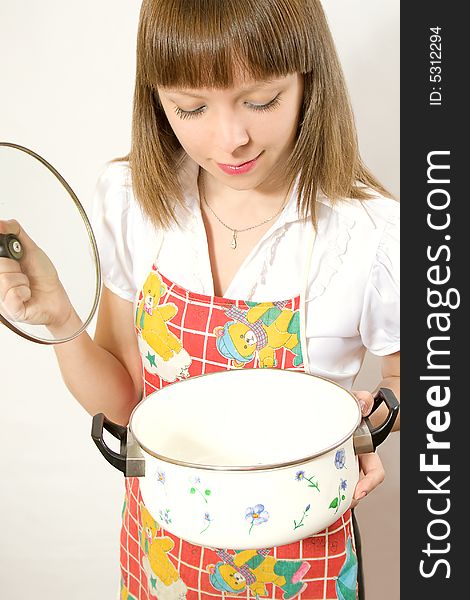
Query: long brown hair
[197, 43]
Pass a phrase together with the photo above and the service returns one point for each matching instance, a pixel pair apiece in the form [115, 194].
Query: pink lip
[239, 169]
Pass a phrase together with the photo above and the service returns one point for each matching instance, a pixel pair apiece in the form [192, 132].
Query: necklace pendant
[234, 240]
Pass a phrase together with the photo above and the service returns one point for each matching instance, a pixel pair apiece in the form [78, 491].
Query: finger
[374, 475]
[8, 265]
[10, 226]
[15, 300]
[366, 401]
[12, 280]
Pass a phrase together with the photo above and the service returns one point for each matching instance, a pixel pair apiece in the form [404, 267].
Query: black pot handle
[129, 459]
[380, 433]
[116, 459]
[367, 437]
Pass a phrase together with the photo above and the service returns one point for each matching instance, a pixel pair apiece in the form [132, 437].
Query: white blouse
[350, 282]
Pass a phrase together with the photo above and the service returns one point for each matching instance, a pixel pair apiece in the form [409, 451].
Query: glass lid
[50, 279]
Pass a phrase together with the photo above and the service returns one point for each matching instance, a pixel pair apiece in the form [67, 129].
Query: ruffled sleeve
[380, 319]
[110, 219]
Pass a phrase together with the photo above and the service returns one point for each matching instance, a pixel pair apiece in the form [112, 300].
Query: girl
[243, 191]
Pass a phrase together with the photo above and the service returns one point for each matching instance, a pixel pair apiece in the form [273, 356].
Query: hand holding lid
[49, 268]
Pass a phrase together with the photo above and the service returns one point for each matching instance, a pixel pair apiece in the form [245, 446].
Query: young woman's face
[252, 122]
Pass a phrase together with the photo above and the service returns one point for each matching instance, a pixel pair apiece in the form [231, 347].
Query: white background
[67, 73]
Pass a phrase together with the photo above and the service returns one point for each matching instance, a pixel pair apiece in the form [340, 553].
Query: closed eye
[188, 114]
[272, 104]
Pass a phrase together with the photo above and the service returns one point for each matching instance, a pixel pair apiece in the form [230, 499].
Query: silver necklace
[235, 231]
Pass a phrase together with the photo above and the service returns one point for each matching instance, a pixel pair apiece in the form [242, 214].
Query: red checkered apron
[182, 334]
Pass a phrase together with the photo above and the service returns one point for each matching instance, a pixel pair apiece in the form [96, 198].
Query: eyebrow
[251, 88]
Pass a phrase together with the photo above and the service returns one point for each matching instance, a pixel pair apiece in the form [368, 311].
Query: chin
[247, 181]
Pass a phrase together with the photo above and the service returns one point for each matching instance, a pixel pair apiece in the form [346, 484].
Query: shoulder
[369, 226]
[352, 237]
[114, 198]
[114, 179]
[116, 214]
[114, 187]
[116, 172]
[372, 216]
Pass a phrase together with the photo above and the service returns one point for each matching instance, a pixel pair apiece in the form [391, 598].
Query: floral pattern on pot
[257, 515]
[335, 503]
[207, 522]
[195, 489]
[193, 502]
[340, 459]
[301, 522]
[161, 481]
[300, 476]
[165, 515]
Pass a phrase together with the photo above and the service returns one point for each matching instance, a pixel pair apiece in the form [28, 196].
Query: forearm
[96, 378]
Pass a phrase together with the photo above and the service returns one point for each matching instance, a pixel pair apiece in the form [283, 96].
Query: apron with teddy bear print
[183, 334]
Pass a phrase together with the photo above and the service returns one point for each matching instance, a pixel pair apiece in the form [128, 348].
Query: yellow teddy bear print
[255, 569]
[164, 581]
[261, 330]
[162, 350]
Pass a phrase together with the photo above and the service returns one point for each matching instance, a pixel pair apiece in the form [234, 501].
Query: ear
[210, 569]
[218, 331]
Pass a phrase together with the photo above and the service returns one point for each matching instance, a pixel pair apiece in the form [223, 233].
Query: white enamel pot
[245, 459]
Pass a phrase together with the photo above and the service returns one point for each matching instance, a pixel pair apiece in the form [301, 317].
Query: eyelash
[190, 114]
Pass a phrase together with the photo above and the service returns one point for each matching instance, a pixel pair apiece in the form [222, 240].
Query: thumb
[366, 401]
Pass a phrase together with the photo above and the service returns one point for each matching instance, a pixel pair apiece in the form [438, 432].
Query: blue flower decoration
[207, 522]
[340, 458]
[256, 514]
[344, 484]
[300, 475]
[165, 515]
[161, 477]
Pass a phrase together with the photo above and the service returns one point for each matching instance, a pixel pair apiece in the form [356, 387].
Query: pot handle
[367, 437]
[129, 460]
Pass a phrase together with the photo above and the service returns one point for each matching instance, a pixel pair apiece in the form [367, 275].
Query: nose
[230, 132]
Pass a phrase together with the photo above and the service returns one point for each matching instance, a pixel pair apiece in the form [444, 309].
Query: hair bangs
[197, 44]
[207, 43]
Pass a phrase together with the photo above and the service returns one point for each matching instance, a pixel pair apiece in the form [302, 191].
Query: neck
[242, 206]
